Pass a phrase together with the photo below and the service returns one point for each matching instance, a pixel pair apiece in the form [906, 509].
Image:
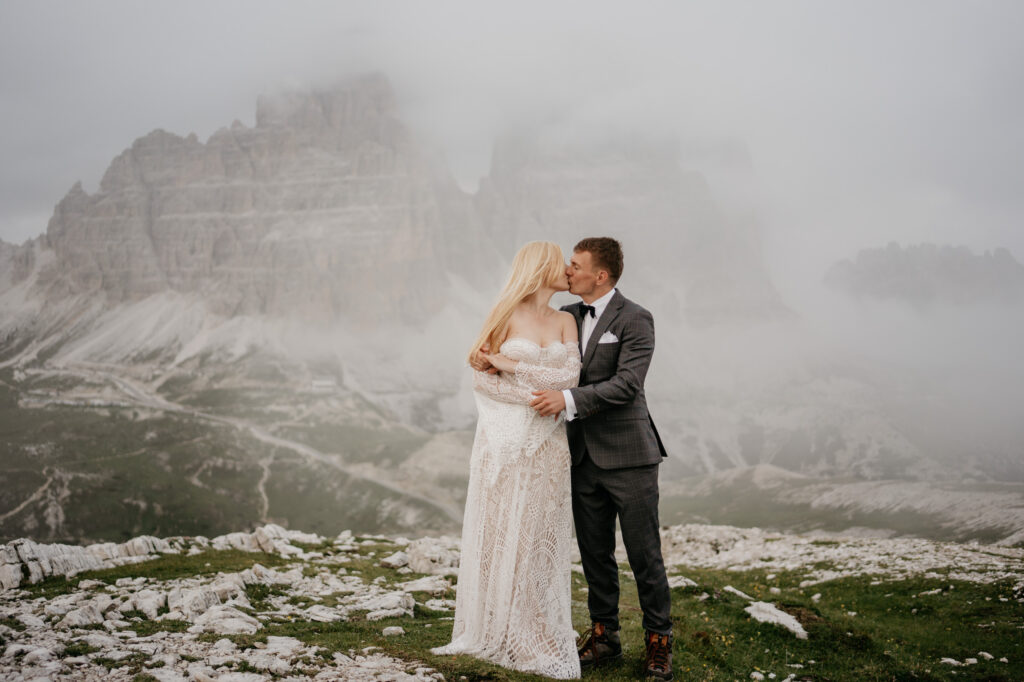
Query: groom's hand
[548, 403]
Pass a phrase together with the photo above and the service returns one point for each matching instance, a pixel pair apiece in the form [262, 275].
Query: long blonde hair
[537, 264]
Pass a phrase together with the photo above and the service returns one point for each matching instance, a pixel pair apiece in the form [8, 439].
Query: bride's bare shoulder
[569, 330]
[565, 317]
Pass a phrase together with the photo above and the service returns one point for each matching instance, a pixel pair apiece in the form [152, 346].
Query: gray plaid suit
[615, 455]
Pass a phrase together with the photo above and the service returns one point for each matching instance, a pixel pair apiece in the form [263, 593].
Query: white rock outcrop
[435, 585]
[191, 602]
[396, 560]
[42, 561]
[768, 613]
[432, 555]
[226, 620]
[88, 614]
[38, 561]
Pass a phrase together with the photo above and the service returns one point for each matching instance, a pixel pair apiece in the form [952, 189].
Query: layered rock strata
[326, 210]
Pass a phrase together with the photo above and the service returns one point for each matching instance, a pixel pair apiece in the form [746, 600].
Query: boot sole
[602, 662]
[648, 677]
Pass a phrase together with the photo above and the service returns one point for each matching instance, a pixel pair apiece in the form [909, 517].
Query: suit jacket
[612, 422]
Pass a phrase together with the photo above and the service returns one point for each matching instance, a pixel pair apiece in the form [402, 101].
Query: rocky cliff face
[15, 264]
[327, 211]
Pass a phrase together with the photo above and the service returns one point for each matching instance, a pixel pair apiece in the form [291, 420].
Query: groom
[615, 455]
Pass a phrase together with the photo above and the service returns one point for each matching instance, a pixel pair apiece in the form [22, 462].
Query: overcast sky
[865, 121]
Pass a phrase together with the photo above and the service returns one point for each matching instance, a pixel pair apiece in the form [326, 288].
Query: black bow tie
[584, 309]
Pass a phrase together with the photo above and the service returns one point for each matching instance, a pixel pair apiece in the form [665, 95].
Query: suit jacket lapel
[578, 314]
[609, 314]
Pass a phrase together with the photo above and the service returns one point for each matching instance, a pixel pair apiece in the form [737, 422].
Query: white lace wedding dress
[513, 605]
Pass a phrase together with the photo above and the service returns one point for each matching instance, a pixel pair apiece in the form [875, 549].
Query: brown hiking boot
[599, 646]
[658, 665]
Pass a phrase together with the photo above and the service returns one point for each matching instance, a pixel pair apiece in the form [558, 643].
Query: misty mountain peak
[363, 99]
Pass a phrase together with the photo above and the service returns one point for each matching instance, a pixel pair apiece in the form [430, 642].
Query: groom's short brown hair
[606, 254]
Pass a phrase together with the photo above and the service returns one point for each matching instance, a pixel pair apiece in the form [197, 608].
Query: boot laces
[657, 651]
[589, 640]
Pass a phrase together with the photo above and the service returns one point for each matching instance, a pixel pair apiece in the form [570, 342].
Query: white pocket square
[608, 337]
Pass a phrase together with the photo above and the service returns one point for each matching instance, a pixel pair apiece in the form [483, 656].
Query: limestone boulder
[226, 620]
[430, 555]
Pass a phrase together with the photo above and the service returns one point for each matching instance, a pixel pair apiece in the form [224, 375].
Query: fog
[864, 123]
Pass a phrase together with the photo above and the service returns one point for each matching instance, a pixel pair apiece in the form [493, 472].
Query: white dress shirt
[588, 328]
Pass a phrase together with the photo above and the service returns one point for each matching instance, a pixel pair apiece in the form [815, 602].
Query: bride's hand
[479, 360]
[500, 362]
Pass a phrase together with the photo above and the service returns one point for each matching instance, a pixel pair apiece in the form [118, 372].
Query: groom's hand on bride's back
[480, 363]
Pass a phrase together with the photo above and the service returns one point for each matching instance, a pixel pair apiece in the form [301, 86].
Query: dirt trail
[36, 496]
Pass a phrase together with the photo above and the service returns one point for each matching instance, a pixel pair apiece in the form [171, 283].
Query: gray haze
[865, 122]
[789, 333]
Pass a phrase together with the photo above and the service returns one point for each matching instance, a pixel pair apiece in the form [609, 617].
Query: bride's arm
[517, 384]
[541, 378]
[501, 387]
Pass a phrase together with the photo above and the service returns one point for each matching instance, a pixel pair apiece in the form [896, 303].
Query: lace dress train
[513, 604]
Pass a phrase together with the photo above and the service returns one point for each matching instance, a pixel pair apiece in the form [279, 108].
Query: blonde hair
[537, 264]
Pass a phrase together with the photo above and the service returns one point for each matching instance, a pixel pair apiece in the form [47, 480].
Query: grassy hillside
[79, 473]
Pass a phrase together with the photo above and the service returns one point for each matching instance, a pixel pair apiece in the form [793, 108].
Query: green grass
[326, 547]
[78, 648]
[105, 459]
[166, 567]
[321, 499]
[134, 662]
[358, 442]
[12, 623]
[258, 594]
[884, 640]
[145, 628]
[124, 472]
[716, 640]
[896, 634]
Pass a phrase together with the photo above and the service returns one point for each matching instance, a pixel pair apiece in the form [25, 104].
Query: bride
[513, 605]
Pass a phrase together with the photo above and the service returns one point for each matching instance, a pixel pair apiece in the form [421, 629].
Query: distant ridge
[930, 273]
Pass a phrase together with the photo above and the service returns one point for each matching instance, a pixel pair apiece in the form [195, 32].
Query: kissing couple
[563, 426]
